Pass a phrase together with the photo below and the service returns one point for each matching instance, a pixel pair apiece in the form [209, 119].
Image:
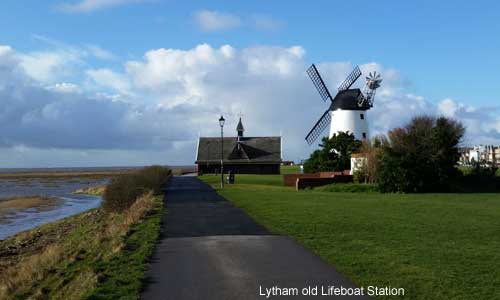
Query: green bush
[421, 157]
[466, 170]
[348, 188]
[334, 153]
[123, 190]
[359, 176]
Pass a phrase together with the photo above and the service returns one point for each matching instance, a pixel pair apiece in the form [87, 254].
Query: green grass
[290, 169]
[435, 246]
[347, 187]
[122, 276]
[246, 179]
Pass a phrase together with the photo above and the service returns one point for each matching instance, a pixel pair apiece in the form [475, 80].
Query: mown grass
[348, 188]
[246, 179]
[290, 169]
[435, 246]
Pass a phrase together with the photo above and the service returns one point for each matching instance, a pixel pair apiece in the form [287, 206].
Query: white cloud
[107, 78]
[210, 21]
[101, 53]
[48, 66]
[266, 22]
[152, 110]
[85, 6]
[448, 107]
[59, 60]
[65, 87]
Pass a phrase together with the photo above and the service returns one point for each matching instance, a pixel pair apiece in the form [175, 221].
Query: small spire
[240, 129]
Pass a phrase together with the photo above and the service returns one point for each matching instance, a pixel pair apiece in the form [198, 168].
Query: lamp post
[221, 123]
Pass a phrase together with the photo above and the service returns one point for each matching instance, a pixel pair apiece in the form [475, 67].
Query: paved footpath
[210, 249]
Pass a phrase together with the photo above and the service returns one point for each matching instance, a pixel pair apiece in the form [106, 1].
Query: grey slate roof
[251, 150]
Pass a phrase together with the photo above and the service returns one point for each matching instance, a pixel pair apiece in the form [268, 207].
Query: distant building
[485, 154]
[242, 155]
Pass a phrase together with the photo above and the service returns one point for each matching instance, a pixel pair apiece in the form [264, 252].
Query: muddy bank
[56, 200]
[14, 205]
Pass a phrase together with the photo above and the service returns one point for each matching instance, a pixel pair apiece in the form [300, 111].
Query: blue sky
[444, 52]
[448, 48]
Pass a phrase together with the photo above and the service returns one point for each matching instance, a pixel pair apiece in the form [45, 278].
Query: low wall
[291, 179]
[303, 183]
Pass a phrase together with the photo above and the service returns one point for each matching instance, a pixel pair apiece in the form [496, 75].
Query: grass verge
[435, 246]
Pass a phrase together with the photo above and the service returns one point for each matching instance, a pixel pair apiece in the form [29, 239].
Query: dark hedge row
[123, 190]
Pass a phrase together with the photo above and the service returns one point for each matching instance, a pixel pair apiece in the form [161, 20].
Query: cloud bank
[152, 109]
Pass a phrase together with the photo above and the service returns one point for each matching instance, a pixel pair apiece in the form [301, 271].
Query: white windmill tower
[347, 111]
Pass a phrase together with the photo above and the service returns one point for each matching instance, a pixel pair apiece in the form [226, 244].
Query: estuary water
[61, 188]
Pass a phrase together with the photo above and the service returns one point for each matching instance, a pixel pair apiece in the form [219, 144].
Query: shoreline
[86, 172]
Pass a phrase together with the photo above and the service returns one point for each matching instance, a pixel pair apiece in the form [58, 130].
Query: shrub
[123, 190]
[359, 176]
[421, 157]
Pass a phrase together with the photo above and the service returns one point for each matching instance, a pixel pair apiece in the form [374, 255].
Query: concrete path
[210, 249]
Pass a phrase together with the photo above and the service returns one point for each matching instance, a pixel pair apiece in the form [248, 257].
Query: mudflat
[16, 204]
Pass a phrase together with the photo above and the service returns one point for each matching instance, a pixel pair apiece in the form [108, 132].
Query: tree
[420, 157]
[334, 153]
[370, 151]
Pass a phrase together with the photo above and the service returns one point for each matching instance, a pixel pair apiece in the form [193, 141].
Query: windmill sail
[319, 127]
[319, 83]
[350, 79]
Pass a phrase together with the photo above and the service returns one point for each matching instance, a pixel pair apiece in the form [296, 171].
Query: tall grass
[123, 190]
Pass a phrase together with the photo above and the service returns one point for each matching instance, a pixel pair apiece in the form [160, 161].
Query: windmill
[347, 111]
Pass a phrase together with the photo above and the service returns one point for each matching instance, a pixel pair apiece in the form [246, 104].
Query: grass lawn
[435, 246]
[290, 169]
[247, 179]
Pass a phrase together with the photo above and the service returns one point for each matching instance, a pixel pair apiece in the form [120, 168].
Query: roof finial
[240, 129]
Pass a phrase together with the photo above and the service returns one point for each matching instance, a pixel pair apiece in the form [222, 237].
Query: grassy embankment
[435, 246]
[99, 254]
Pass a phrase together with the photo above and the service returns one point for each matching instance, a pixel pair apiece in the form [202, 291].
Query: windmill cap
[348, 100]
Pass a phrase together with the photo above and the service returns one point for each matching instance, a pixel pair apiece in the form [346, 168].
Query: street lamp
[221, 123]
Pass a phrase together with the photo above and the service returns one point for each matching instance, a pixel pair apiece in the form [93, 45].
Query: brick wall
[291, 179]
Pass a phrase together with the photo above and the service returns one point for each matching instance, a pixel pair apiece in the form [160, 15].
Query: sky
[135, 82]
